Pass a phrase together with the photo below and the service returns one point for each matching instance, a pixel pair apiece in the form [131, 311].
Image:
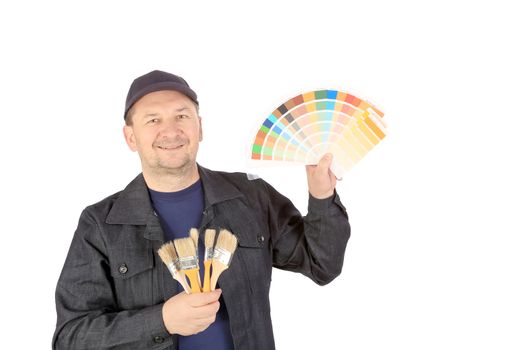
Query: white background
[437, 254]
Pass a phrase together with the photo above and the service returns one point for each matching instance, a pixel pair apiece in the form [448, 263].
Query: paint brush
[169, 257]
[222, 255]
[194, 234]
[209, 239]
[188, 261]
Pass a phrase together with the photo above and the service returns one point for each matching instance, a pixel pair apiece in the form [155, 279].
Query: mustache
[170, 142]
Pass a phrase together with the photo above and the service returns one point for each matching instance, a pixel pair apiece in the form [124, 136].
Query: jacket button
[260, 239]
[123, 269]
[158, 339]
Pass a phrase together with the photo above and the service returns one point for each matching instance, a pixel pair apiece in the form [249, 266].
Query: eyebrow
[150, 115]
[182, 109]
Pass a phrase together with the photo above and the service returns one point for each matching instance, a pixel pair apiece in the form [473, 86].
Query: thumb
[326, 161]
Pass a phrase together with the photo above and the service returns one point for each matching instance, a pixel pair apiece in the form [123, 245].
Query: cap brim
[167, 85]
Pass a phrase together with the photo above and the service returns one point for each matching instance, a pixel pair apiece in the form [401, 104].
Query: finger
[333, 178]
[207, 311]
[200, 299]
[205, 322]
[197, 328]
[326, 161]
[201, 328]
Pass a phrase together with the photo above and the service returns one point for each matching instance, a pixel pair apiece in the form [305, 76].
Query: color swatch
[309, 125]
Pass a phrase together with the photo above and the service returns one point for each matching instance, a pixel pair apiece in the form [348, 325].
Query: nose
[170, 127]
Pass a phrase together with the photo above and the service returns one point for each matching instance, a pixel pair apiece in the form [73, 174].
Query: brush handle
[194, 280]
[181, 278]
[194, 235]
[218, 269]
[207, 266]
[199, 279]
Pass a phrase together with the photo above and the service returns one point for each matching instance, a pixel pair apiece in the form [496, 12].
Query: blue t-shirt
[178, 213]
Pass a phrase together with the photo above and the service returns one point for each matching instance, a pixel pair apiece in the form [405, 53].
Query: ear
[129, 136]
[200, 129]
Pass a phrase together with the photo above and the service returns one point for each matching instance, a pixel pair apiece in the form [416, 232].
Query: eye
[182, 116]
[153, 121]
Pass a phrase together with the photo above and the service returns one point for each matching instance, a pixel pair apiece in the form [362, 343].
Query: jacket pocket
[132, 271]
[253, 255]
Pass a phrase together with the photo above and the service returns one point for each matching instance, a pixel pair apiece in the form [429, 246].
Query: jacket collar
[133, 204]
[216, 188]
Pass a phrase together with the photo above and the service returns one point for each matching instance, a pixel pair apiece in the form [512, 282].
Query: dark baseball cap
[156, 81]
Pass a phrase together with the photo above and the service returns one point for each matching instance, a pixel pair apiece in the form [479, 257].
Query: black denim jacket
[113, 285]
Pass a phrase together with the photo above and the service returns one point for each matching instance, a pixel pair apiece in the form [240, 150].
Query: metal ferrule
[173, 267]
[223, 256]
[208, 254]
[188, 263]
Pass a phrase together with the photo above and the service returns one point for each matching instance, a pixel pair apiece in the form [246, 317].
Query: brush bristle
[209, 238]
[185, 247]
[194, 234]
[226, 241]
[167, 253]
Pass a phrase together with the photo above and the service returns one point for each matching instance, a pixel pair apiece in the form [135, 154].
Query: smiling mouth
[170, 148]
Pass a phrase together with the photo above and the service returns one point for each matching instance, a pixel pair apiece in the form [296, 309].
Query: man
[115, 293]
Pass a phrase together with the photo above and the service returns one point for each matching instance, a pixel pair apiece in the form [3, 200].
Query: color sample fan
[307, 126]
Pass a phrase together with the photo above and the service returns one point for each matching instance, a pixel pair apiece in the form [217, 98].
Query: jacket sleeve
[313, 245]
[87, 312]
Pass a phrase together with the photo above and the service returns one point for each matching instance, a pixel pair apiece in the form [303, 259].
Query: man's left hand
[321, 180]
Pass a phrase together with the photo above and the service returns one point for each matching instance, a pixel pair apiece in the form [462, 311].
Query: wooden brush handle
[207, 266]
[181, 278]
[194, 280]
[218, 268]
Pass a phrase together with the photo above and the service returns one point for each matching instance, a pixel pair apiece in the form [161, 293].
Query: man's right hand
[188, 314]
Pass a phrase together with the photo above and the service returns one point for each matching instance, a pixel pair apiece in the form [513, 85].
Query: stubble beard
[183, 165]
[180, 170]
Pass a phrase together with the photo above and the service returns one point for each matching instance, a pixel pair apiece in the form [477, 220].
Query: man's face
[165, 131]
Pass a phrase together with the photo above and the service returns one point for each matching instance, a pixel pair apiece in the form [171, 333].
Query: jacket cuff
[154, 327]
[315, 204]
[321, 205]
